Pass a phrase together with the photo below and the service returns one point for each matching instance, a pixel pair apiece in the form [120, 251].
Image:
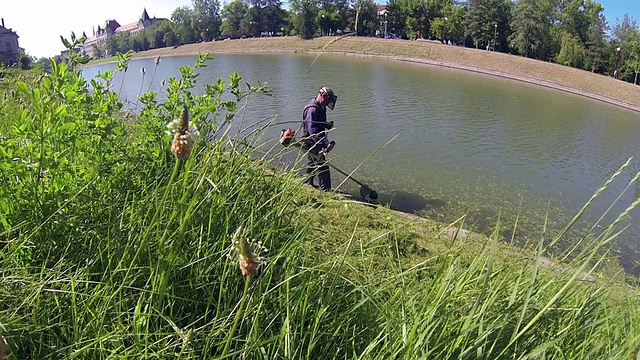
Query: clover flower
[249, 259]
[184, 135]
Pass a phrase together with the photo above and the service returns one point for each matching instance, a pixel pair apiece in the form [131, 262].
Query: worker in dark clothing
[314, 130]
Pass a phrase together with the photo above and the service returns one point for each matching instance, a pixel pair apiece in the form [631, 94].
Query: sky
[39, 23]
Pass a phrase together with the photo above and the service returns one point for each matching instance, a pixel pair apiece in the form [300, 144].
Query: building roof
[145, 15]
[112, 24]
[5, 31]
[127, 27]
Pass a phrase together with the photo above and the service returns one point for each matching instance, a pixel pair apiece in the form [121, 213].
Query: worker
[316, 142]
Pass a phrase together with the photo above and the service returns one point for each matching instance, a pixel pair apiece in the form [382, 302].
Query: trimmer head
[366, 191]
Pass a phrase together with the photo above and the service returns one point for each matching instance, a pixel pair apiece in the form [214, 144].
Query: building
[381, 9]
[9, 49]
[95, 45]
[144, 22]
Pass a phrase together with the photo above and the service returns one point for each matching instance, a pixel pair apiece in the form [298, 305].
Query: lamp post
[495, 35]
[322, 26]
[385, 24]
[616, 74]
[444, 32]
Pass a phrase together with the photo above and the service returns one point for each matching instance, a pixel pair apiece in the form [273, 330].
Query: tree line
[569, 32]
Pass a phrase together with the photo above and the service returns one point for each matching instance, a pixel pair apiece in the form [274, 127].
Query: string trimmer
[287, 138]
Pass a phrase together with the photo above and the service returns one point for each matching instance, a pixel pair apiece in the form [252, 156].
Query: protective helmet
[332, 97]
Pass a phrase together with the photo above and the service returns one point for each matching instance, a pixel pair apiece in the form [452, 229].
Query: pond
[441, 142]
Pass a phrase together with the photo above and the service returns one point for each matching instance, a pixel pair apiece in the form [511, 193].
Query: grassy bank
[600, 87]
[119, 240]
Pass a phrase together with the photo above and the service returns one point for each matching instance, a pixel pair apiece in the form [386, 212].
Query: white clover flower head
[173, 126]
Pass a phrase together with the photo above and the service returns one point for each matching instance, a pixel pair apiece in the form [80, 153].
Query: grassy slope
[136, 265]
[515, 67]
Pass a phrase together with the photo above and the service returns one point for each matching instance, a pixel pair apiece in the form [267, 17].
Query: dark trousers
[320, 168]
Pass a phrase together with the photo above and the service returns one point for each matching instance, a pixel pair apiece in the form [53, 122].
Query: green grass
[111, 247]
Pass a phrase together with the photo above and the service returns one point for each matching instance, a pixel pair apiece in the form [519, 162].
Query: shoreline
[432, 55]
[490, 72]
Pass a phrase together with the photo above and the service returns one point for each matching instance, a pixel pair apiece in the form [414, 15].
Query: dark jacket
[315, 126]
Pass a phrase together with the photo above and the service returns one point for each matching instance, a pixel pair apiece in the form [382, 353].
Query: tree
[437, 28]
[411, 27]
[171, 39]
[574, 18]
[395, 18]
[631, 62]
[252, 23]
[572, 53]
[112, 45]
[624, 27]
[206, 19]
[448, 26]
[233, 14]
[97, 51]
[274, 17]
[596, 43]
[498, 26]
[43, 63]
[488, 22]
[306, 25]
[364, 16]
[324, 21]
[531, 28]
[399, 12]
[627, 37]
[182, 19]
[474, 21]
[25, 61]
[157, 34]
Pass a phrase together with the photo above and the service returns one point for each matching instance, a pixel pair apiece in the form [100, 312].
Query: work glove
[332, 144]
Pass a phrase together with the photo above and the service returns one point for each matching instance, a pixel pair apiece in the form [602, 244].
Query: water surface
[464, 143]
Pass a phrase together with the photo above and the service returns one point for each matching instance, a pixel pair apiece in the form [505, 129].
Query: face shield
[332, 102]
[328, 94]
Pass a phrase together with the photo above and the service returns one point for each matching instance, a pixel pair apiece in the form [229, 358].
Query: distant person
[314, 130]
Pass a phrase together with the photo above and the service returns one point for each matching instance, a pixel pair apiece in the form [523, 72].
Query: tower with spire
[145, 20]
